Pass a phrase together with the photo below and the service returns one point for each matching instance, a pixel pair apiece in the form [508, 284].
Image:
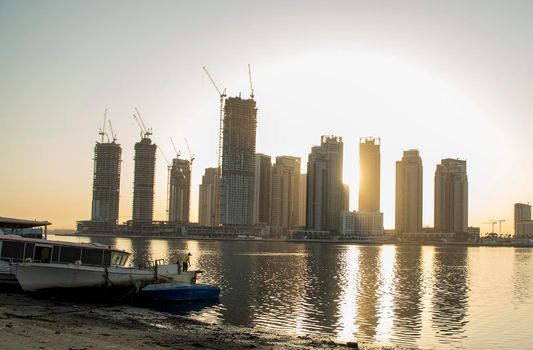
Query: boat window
[69, 254]
[28, 253]
[124, 259]
[107, 257]
[92, 257]
[55, 254]
[13, 250]
[115, 258]
[42, 254]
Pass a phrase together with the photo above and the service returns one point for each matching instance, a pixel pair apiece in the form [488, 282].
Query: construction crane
[222, 95]
[492, 222]
[174, 146]
[102, 130]
[169, 172]
[145, 132]
[113, 135]
[250, 78]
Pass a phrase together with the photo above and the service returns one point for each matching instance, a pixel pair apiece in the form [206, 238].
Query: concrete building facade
[370, 174]
[325, 191]
[208, 214]
[361, 224]
[409, 193]
[179, 191]
[238, 161]
[451, 196]
[143, 182]
[263, 178]
[302, 192]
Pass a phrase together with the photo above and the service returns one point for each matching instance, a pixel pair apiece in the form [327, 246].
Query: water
[433, 297]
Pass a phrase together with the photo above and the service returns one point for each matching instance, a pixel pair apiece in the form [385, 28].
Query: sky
[449, 78]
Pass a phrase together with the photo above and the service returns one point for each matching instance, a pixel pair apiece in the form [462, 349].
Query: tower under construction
[179, 190]
[238, 161]
[143, 183]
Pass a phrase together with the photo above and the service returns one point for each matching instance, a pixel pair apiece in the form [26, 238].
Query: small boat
[179, 291]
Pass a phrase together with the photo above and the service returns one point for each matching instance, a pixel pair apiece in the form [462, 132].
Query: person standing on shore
[186, 261]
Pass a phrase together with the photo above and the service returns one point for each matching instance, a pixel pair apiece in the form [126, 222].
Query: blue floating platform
[177, 291]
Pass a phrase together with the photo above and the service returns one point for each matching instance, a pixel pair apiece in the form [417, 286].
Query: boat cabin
[18, 249]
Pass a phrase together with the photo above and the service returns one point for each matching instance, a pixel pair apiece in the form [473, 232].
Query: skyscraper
[302, 194]
[143, 182]
[285, 192]
[208, 214]
[325, 191]
[409, 193]
[370, 174]
[179, 191]
[451, 196]
[263, 175]
[106, 183]
[238, 161]
[522, 219]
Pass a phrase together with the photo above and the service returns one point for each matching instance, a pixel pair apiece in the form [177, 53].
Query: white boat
[38, 264]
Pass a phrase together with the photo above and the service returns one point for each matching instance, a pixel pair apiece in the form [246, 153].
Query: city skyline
[434, 95]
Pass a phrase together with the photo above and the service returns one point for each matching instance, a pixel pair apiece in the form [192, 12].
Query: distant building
[409, 193]
[106, 182]
[209, 198]
[451, 196]
[285, 196]
[474, 233]
[346, 195]
[302, 193]
[370, 174]
[179, 191]
[263, 178]
[143, 183]
[522, 221]
[325, 193]
[361, 224]
[238, 161]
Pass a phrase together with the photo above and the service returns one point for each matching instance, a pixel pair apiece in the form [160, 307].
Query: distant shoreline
[336, 241]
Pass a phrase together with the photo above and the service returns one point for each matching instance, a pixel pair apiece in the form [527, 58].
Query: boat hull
[172, 292]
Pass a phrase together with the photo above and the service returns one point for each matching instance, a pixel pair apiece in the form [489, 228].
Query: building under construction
[238, 161]
[179, 190]
[106, 187]
[143, 183]
[208, 214]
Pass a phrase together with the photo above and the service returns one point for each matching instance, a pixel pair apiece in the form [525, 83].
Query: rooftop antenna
[250, 78]
[222, 95]
[174, 146]
[113, 135]
[102, 130]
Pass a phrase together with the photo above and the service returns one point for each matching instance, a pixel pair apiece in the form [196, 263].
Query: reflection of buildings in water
[368, 288]
[348, 271]
[141, 253]
[159, 249]
[408, 292]
[521, 274]
[450, 291]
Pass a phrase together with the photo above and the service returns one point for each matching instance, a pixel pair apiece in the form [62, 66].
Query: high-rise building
[285, 196]
[143, 182]
[238, 161]
[346, 194]
[522, 220]
[409, 193]
[370, 174]
[179, 190]
[208, 214]
[451, 196]
[325, 192]
[302, 193]
[106, 182]
[263, 175]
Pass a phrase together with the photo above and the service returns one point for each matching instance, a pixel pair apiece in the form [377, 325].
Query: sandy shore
[27, 322]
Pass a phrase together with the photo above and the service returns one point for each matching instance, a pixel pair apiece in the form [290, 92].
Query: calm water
[439, 297]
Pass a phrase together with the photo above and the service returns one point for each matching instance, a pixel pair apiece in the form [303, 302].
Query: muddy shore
[27, 322]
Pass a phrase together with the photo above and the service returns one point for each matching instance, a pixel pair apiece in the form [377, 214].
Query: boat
[41, 264]
[179, 291]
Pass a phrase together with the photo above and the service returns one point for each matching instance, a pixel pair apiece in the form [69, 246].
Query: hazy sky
[450, 78]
